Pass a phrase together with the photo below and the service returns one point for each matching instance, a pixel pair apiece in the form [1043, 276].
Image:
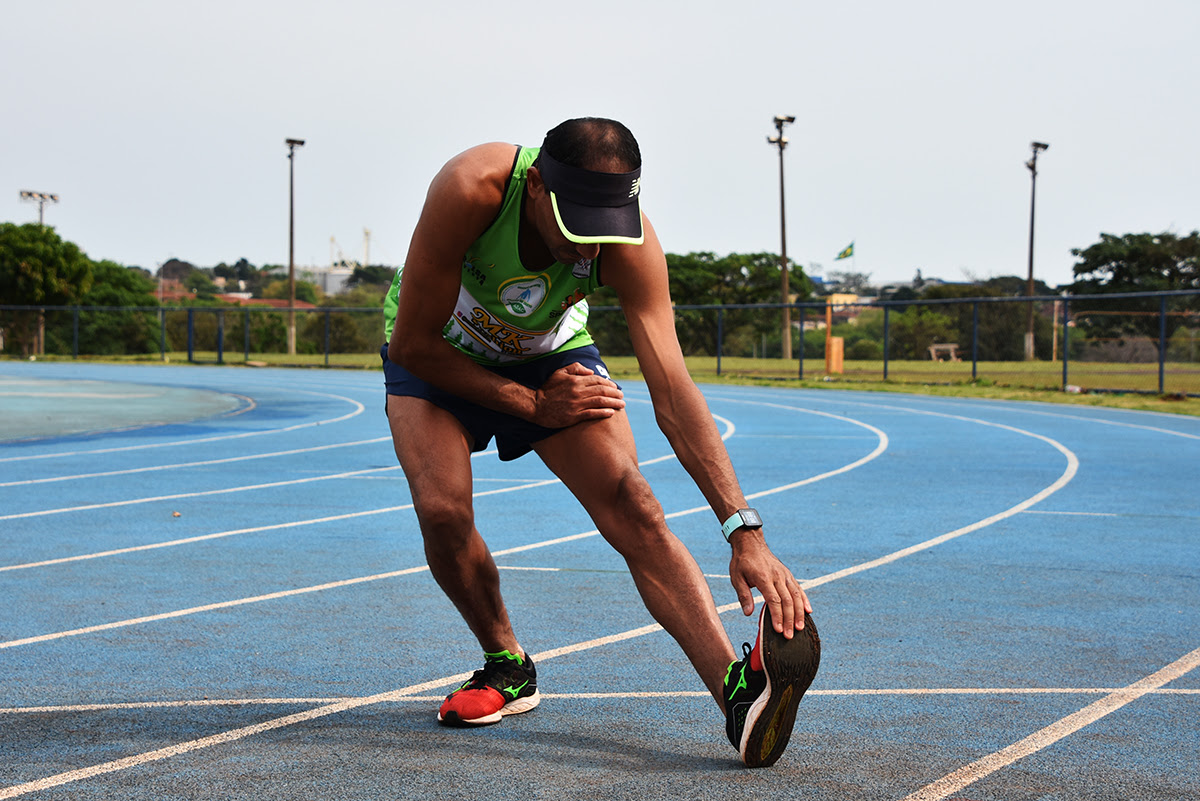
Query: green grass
[1023, 381]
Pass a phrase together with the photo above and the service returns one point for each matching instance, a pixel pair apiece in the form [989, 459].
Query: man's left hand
[754, 566]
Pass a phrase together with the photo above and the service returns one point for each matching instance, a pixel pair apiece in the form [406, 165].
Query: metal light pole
[1032, 165]
[786, 330]
[40, 198]
[291, 326]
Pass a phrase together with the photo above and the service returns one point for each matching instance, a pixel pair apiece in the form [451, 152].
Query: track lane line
[728, 432]
[845, 693]
[1043, 738]
[359, 409]
[198, 494]
[204, 463]
[362, 579]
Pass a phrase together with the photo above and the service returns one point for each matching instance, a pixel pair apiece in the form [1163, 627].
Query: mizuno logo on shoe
[741, 683]
[513, 691]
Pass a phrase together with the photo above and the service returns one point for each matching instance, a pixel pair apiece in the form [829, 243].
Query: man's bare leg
[435, 454]
[598, 462]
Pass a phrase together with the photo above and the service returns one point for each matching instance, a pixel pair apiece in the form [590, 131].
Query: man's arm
[462, 201]
[638, 274]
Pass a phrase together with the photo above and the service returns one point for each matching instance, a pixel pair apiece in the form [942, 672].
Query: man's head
[591, 170]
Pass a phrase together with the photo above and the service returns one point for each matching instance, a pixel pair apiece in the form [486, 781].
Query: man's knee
[634, 518]
[445, 520]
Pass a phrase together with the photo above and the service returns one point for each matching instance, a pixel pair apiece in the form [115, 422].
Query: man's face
[542, 211]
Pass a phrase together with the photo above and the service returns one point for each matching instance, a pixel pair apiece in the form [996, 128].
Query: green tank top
[506, 313]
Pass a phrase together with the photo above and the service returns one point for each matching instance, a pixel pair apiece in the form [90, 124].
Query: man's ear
[534, 183]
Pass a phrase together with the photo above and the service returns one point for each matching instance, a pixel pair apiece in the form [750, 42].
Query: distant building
[330, 280]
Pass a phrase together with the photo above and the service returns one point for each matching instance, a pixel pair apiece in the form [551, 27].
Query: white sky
[161, 125]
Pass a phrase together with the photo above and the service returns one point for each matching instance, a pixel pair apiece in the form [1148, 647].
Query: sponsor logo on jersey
[495, 333]
[523, 296]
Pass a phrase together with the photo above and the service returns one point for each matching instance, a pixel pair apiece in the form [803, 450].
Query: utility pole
[1032, 165]
[291, 326]
[786, 328]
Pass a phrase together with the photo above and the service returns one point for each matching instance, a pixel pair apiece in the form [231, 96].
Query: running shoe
[506, 686]
[764, 687]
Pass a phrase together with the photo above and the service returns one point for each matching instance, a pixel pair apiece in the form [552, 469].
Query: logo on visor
[522, 297]
[636, 188]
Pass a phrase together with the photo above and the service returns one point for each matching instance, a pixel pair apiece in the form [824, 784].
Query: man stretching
[487, 337]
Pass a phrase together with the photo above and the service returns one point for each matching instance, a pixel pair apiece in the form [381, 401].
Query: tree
[1002, 326]
[851, 282]
[915, 329]
[1014, 286]
[305, 291]
[1135, 263]
[1138, 263]
[200, 284]
[704, 279]
[176, 270]
[372, 274]
[118, 330]
[37, 268]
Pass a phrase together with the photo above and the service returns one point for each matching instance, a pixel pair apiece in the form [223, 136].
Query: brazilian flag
[847, 253]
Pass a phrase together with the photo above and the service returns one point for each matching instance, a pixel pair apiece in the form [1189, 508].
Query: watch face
[750, 518]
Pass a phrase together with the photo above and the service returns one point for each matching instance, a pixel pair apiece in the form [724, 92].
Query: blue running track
[214, 587]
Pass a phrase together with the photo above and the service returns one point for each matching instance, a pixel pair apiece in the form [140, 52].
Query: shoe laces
[496, 672]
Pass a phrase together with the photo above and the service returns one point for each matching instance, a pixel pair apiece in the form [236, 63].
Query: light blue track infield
[227, 598]
[41, 407]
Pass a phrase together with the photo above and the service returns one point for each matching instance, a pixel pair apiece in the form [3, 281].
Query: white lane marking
[205, 463]
[330, 585]
[729, 429]
[999, 406]
[253, 530]
[288, 720]
[197, 494]
[88, 395]
[1117, 423]
[58, 635]
[359, 408]
[309, 701]
[969, 774]
[1062, 481]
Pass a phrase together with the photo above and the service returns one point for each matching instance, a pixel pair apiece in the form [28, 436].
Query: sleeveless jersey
[506, 313]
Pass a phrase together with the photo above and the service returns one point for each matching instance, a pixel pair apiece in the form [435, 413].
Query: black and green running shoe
[764, 687]
[507, 685]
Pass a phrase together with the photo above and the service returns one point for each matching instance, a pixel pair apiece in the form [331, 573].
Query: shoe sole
[514, 707]
[790, 666]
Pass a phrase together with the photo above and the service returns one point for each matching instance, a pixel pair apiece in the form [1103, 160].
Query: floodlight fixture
[41, 199]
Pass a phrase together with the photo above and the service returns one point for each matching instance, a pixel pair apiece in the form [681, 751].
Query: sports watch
[742, 518]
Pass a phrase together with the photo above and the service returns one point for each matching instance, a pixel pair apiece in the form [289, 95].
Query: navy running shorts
[514, 436]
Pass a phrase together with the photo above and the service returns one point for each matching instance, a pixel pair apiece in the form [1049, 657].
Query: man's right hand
[574, 394]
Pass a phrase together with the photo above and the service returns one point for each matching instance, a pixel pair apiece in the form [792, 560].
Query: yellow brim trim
[598, 240]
